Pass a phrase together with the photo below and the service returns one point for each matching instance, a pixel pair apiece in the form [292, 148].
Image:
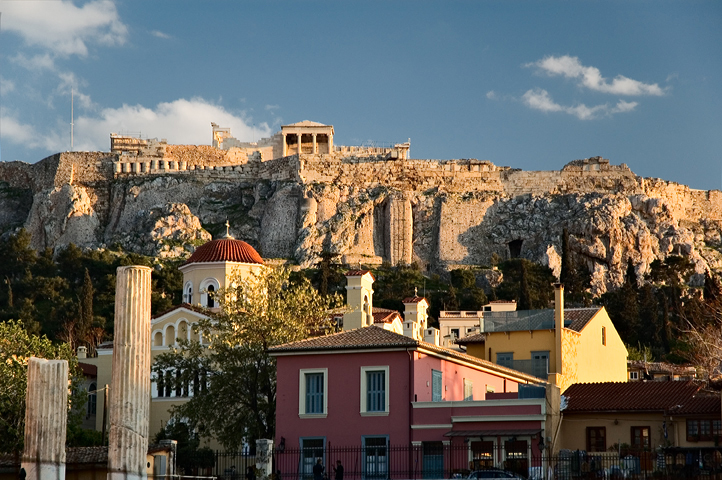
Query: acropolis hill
[293, 199]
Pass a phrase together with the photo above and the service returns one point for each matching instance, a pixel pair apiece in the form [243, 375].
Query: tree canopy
[16, 347]
[234, 378]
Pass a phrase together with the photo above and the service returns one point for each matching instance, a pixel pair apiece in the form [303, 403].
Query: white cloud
[63, 28]
[6, 86]
[18, 133]
[271, 108]
[491, 95]
[180, 122]
[159, 34]
[70, 85]
[35, 63]
[539, 99]
[591, 77]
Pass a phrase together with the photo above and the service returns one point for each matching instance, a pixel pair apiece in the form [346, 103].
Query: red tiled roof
[360, 273]
[634, 396]
[225, 250]
[384, 315]
[701, 403]
[88, 369]
[414, 299]
[378, 338]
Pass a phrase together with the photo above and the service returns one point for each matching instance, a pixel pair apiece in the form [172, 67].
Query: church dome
[225, 250]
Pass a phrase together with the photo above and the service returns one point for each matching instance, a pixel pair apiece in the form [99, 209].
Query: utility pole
[72, 116]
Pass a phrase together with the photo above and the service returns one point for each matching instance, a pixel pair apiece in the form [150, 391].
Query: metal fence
[437, 461]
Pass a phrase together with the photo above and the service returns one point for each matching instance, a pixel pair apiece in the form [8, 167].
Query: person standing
[338, 471]
[318, 470]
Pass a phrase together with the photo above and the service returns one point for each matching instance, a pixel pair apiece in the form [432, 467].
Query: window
[468, 390]
[312, 388]
[375, 390]
[188, 293]
[634, 375]
[376, 459]
[540, 364]
[703, 429]
[436, 383]
[640, 438]
[596, 439]
[454, 333]
[604, 335]
[92, 398]
[211, 301]
[482, 455]
[311, 450]
[505, 359]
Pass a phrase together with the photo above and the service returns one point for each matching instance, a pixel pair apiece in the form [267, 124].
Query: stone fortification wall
[370, 172]
[36, 176]
[285, 168]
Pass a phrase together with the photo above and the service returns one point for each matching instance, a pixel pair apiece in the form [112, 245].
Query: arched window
[210, 302]
[188, 293]
[170, 336]
[158, 339]
[92, 399]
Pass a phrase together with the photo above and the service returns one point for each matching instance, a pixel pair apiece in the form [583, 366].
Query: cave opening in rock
[515, 248]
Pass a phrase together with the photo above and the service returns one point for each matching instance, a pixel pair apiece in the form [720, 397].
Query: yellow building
[565, 346]
[210, 268]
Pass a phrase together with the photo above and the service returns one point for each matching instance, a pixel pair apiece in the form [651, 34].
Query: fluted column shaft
[46, 416]
[129, 399]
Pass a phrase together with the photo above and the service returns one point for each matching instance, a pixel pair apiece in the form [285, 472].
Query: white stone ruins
[46, 415]
[129, 399]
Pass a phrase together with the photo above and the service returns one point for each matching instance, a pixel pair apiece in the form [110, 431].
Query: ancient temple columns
[129, 399]
[46, 415]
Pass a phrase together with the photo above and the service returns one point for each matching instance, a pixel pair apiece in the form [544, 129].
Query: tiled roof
[502, 301]
[662, 367]
[88, 369]
[384, 315]
[225, 250]
[579, 317]
[359, 273]
[86, 455]
[634, 396]
[476, 338]
[414, 299]
[701, 403]
[377, 338]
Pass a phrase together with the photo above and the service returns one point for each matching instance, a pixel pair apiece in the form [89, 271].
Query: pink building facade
[377, 390]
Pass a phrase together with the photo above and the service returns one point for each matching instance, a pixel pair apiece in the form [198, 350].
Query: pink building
[376, 390]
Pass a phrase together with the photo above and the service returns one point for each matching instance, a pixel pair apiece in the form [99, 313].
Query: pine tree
[524, 294]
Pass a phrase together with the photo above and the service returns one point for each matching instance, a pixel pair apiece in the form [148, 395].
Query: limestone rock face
[442, 214]
[62, 215]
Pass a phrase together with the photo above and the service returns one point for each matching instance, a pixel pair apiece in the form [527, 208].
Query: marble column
[46, 416]
[314, 144]
[129, 399]
[285, 139]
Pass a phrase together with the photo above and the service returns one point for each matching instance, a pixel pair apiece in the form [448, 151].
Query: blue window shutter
[436, 386]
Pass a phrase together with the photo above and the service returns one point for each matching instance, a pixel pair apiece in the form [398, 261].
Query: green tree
[238, 400]
[539, 281]
[16, 347]
[190, 457]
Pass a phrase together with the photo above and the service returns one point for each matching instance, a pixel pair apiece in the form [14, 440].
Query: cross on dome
[228, 230]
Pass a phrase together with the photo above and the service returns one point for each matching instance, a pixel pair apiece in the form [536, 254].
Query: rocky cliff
[368, 208]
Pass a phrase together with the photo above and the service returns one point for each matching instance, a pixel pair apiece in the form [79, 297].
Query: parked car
[493, 473]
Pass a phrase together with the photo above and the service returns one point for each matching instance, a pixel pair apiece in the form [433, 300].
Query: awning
[491, 433]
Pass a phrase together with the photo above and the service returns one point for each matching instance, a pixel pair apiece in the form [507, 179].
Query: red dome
[225, 250]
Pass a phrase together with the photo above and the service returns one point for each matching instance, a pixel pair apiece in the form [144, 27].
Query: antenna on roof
[72, 116]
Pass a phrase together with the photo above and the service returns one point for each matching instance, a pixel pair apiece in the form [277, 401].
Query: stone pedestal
[46, 415]
[264, 458]
[129, 398]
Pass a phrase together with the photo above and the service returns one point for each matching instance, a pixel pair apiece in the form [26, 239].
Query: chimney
[82, 352]
[558, 326]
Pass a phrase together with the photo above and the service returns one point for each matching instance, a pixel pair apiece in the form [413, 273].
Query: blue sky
[532, 85]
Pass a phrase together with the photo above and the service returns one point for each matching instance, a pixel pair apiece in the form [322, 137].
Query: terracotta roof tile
[225, 250]
[384, 315]
[414, 299]
[88, 369]
[378, 338]
[359, 273]
[633, 396]
[579, 317]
